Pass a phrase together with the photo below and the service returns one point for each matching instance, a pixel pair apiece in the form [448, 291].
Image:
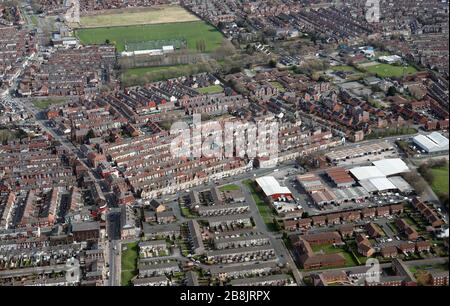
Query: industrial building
[432, 143]
[376, 178]
[272, 189]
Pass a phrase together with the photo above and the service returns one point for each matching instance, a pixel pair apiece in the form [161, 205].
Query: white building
[271, 188]
[433, 143]
[391, 166]
[391, 59]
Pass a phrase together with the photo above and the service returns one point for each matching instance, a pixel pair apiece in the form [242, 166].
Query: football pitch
[192, 32]
[387, 71]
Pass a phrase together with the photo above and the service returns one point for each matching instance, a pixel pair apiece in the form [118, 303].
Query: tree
[249, 49]
[272, 63]
[107, 41]
[444, 199]
[391, 91]
[90, 134]
[425, 170]
[415, 181]
[21, 134]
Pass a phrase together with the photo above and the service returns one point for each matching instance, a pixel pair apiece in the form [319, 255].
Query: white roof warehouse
[271, 187]
[433, 143]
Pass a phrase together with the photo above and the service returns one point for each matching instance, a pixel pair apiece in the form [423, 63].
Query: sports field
[135, 16]
[386, 70]
[192, 32]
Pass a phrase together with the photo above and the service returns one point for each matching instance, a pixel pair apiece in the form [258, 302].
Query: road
[277, 243]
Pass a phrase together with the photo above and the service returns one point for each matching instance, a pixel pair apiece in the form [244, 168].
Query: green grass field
[129, 263]
[386, 70]
[186, 212]
[143, 70]
[45, 103]
[441, 179]
[210, 89]
[34, 20]
[264, 210]
[191, 31]
[389, 132]
[278, 85]
[230, 187]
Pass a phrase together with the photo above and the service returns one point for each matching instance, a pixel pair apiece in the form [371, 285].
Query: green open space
[45, 103]
[130, 254]
[34, 20]
[143, 75]
[411, 222]
[213, 89]
[389, 132]
[350, 260]
[192, 32]
[264, 210]
[440, 179]
[230, 187]
[140, 71]
[388, 71]
[278, 86]
[186, 212]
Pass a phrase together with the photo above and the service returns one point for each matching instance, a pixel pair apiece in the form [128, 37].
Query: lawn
[142, 75]
[229, 187]
[389, 132]
[129, 263]
[34, 20]
[278, 86]
[440, 181]
[186, 212]
[133, 16]
[330, 249]
[264, 210]
[411, 222]
[140, 71]
[192, 32]
[326, 249]
[386, 70]
[210, 89]
[45, 103]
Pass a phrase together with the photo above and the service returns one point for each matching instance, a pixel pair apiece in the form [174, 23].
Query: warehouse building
[272, 189]
[340, 177]
[368, 150]
[377, 178]
[432, 143]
